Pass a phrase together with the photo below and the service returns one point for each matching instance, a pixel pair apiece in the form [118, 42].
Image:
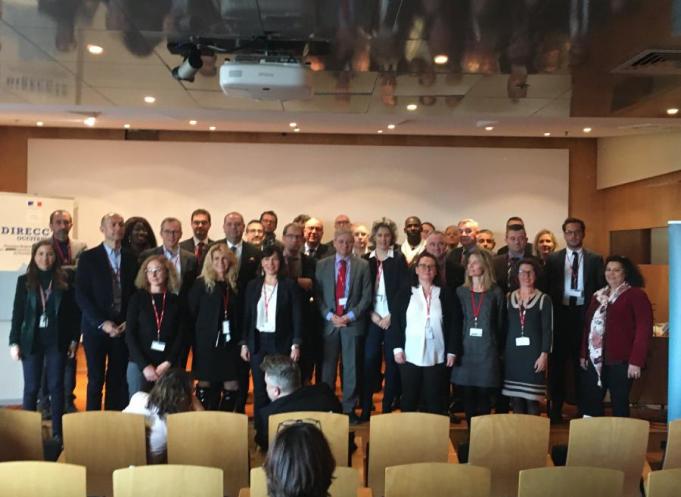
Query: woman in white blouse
[272, 319]
[428, 332]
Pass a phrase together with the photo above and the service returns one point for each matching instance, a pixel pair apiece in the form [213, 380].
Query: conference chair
[104, 441]
[404, 438]
[672, 454]
[41, 479]
[214, 439]
[168, 480]
[439, 479]
[21, 435]
[570, 481]
[506, 444]
[345, 483]
[664, 483]
[335, 428]
[611, 442]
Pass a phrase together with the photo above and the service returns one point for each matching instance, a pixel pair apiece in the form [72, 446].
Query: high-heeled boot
[228, 400]
[208, 397]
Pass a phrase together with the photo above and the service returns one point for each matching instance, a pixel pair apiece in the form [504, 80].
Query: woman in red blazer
[617, 331]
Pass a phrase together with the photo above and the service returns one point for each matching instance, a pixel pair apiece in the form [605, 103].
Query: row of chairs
[47, 479]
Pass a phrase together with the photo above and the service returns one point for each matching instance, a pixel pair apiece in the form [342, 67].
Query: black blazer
[452, 319]
[189, 246]
[323, 250]
[205, 310]
[594, 276]
[249, 265]
[500, 265]
[141, 330]
[94, 287]
[289, 327]
[188, 267]
[528, 250]
[395, 275]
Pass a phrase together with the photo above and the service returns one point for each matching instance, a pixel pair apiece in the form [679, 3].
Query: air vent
[652, 63]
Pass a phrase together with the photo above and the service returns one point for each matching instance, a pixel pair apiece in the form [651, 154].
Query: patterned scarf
[605, 296]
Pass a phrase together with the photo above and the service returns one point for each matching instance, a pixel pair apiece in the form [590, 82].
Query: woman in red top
[617, 330]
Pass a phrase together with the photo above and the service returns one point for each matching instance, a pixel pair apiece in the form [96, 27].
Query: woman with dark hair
[272, 319]
[138, 235]
[617, 331]
[215, 311]
[153, 324]
[529, 337]
[299, 463]
[389, 275]
[44, 329]
[172, 393]
[427, 322]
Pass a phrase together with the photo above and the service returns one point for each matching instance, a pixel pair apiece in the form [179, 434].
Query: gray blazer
[359, 295]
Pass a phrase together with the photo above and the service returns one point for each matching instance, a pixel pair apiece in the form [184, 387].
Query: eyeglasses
[154, 271]
[290, 422]
[426, 267]
[171, 232]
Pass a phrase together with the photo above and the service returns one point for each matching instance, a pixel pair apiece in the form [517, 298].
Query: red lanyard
[379, 273]
[476, 309]
[429, 298]
[521, 314]
[267, 299]
[225, 300]
[45, 296]
[158, 317]
[63, 258]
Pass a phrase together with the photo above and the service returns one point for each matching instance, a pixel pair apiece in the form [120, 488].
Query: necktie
[117, 290]
[198, 251]
[340, 287]
[575, 270]
[233, 249]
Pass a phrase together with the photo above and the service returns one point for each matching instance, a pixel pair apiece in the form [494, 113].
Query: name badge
[476, 332]
[226, 331]
[343, 301]
[43, 321]
[158, 345]
[522, 341]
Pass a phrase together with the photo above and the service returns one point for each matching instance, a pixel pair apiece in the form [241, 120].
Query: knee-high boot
[228, 400]
[209, 397]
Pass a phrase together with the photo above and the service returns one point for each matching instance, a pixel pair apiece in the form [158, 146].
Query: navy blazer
[395, 275]
[594, 276]
[94, 287]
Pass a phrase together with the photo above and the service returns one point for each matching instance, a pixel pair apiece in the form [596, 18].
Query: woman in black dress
[214, 309]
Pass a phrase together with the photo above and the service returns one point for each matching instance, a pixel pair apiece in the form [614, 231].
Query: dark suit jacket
[249, 264]
[188, 267]
[455, 271]
[189, 246]
[395, 275]
[504, 250]
[317, 397]
[323, 250]
[594, 276]
[94, 287]
[289, 328]
[500, 265]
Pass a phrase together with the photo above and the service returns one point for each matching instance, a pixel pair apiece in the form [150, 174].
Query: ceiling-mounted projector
[264, 78]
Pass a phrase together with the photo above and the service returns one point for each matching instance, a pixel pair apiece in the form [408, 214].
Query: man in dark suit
[573, 274]
[199, 243]
[506, 265]
[104, 282]
[269, 222]
[313, 232]
[248, 261]
[513, 220]
[456, 259]
[343, 285]
[282, 377]
[341, 222]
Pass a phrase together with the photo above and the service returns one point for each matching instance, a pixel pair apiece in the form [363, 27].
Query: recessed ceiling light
[212, 128]
[95, 49]
[89, 121]
[126, 126]
[391, 126]
[547, 134]
[149, 99]
[441, 59]
[587, 130]
[672, 111]
[380, 131]
[193, 122]
[39, 123]
[412, 107]
[489, 128]
[293, 125]
[297, 130]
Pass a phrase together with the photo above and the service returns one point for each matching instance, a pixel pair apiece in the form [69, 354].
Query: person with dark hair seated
[282, 377]
[300, 463]
[617, 332]
[172, 393]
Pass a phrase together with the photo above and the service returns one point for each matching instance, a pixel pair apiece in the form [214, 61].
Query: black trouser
[565, 356]
[53, 361]
[69, 383]
[267, 347]
[613, 378]
[107, 361]
[422, 386]
[376, 345]
[242, 371]
[476, 401]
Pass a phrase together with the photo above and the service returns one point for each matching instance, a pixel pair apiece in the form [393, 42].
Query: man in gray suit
[344, 297]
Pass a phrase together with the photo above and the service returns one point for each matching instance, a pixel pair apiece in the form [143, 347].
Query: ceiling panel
[135, 98]
[141, 77]
[499, 107]
[218, 100]
[331, 103]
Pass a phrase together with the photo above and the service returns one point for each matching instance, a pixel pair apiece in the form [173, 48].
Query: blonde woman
[214, 310]
[545, 244]
[477, 369]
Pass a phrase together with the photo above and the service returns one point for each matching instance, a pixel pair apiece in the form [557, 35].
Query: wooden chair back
[506, 444]
[665, 483]
[168, 480]
[672, 455]
[570, 481]
[404, 438]
[41, 479]
[214, 439]
[21, 435]
[439, 479]
[610, 442]
[104, 441]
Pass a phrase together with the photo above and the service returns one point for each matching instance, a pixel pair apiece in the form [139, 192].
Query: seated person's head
[172, 393]
[299, 463]
[282, 375]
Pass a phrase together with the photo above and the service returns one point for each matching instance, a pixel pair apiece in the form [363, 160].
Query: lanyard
[158, 317]
[267, 299]
[225, 300]
[63, 258]
[379, 273]
[521, 315]
[476, 309]
[429, 298]
[44, 296]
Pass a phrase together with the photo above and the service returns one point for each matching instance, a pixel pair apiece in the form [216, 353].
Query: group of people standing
[438, 310]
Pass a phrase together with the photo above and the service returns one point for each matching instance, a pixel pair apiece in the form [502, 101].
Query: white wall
[633, 158]
[440, 184]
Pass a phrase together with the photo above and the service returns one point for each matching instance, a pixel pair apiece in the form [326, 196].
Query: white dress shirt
[568, 291]
[266, 321]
